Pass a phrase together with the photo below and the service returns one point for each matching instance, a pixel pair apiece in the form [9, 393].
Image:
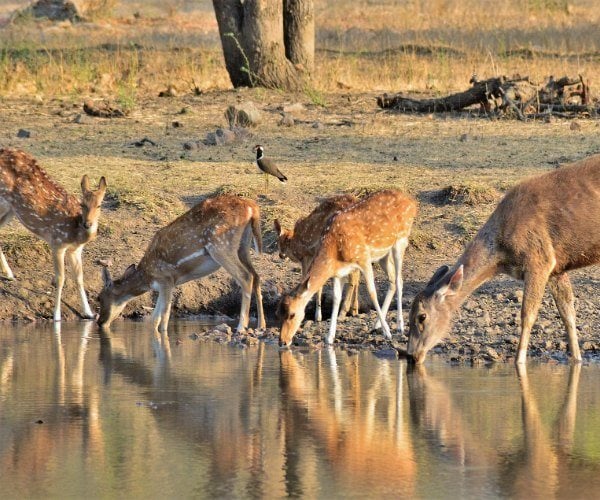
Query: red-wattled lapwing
[267, 166]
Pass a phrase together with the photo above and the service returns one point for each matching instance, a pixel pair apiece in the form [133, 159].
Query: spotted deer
[52, 214]
[542, 228]
[354, 238]
[216, 232]
[300, 244]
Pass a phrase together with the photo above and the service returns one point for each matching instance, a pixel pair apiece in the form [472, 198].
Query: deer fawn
[216, 232]
[354, 238]
[300, 244]
[52, 214]
[542, 228]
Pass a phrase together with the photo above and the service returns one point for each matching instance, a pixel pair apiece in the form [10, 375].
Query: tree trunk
[299, 33]
[254, 46]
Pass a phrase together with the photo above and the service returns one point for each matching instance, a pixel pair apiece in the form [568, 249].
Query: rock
[318, 125]
[588, 346]
[225, 136]
[54, 10]
[243, 115]
[575, 126]
[516, 296]
[464, 138]
[287, 120]
[293, 108]
[23, 133]
[491, 353]
[189, 146]
[176, 124]
[103, 109]
[170, 91]
[223, 328]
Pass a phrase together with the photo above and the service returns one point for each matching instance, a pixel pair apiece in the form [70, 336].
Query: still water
[136, 415]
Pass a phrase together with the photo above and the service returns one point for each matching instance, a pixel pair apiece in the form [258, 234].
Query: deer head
[432, 310]
[112, 301]
[91, 202]
[284, 238]
[291, 313]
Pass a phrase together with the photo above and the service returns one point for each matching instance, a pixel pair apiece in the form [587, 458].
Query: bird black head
[259, 151]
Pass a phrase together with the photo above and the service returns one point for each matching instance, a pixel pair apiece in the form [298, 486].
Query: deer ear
[85, 184]
[106, 277]
[277, 227]
[129, 271]
[453, 286]
[440, 273]
[102, 184]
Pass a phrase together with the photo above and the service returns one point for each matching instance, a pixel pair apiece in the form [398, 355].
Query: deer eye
[292, 315]
[421, 318]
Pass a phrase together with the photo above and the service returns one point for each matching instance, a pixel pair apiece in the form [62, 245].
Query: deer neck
[132, 286]
[320, 270]
[481, 263]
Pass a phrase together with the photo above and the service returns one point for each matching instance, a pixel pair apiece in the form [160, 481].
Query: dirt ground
[342, 144]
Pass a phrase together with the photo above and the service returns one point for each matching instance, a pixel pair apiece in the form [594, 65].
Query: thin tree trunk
[299, 33]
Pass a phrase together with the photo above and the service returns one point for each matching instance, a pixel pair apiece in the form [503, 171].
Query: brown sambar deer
[301, 243]
[543, 227]
[216, 232]
[354, 238]
[52, 214]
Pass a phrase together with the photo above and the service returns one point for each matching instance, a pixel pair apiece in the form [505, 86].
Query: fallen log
[516, 97]
[479, 93]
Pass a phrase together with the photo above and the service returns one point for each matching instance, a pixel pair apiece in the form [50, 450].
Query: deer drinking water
[52, 214]
[301, 243]
[543, 227]
[216, 232]
[363, 233]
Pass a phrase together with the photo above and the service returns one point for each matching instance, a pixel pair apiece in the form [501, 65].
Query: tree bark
[299, 33]
[254, 46]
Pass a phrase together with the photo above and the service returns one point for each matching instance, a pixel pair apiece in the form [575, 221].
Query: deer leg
[398, 253]
[6, 270]
[533, 292]
[337, 298]
[562, 292]
[367, 271]
[77, 269]
[58, 255]
[244, 255]
[162, 309]
[318, 299]
[387, 265]
[350, 303]
[243, 277]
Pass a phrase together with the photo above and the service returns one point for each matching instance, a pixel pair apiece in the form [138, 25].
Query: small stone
[491, 353]
[516, 296]
[588, 346]
[188, 146]
[575, 126]
[464, 138]
[223, 328]
[176, 124]
[287, 120]
[318, 125]
[23, 133]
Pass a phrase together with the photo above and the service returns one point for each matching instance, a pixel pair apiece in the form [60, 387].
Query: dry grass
[428, 45]
[470, 194]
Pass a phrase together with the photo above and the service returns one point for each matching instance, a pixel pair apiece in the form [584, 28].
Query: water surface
[138, 415]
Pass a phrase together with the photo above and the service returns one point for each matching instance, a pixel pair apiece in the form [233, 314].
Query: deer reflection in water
[540, 467]
[359, 429]
[60, 399]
